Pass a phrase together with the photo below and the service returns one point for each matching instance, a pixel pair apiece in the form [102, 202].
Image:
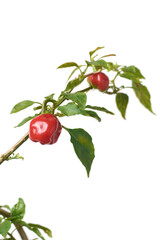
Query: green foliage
[122, 102]
[74, 83]
[80, 98]
[25, 120]
[6, 206]
[101, 109]
[83, 146]
[18, 210]
[45, 229]
[22, 105]
[143, 95]
[71, 109]
[5, 227]
[15, 156]
[95, 50]
[74, 70]
[68, 64]
[92, 114]
[131, 73]
[15, 217]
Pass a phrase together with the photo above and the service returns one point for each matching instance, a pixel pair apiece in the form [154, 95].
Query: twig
[5, 156]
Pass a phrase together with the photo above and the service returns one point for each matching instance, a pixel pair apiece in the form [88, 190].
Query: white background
[121, 199]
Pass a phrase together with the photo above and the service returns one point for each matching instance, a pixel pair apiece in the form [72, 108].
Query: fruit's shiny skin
[45, 129]
[99, 81]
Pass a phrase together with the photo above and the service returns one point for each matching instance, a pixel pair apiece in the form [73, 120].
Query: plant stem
[62, 98]
[18, 227]
[5, 156]
[13, 238]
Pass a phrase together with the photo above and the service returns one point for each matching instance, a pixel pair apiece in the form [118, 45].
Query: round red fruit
[99, 80]
[45, 129]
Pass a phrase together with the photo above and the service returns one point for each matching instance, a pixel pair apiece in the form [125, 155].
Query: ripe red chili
[45, 129]
[99, 80]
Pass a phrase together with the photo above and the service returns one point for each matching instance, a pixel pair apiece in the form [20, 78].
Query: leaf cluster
[15, 217]
[77, 100]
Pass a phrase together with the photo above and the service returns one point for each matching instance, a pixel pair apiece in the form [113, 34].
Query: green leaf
[45, 229]
[71, 109]
[74, 70]
[25, 120]
[50, 97]
[143, 95]
[6, 206]
[80, 98]
[1, 218]
[99, 63]
[113, 67]
[122, 102]
[74, 83]
[103, 64]
[131, 73]
[35, 228]
[18, 210]
[102, 109]
[95, 50]
[5, 227]
[83, 146]
[22, 105]
[109, 55]
[15, 156]
[93, 114]
[68, 64]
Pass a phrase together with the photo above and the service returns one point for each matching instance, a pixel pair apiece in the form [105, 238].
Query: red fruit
[99, 80]
[45, 129]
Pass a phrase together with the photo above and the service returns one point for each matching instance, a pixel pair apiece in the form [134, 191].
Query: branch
[5, 156]
[18, 227]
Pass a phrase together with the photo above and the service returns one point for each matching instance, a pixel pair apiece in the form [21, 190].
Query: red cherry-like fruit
[99, 80]
[45, 129]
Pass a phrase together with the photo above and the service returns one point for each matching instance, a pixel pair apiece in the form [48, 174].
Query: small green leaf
[83, 146]
[6, 206]
[95, 50]
[37, 232]
[50, 97]
[80, 98]
[45, 229]
[109, 66]
[99, 63]
[74, 70]
[22, 105]
[35, 228]
[1, 218]
[93, 114]
[122, 102]
[18, 210]
[102, 109]
[68, 64]
[109, 55]
[15, 156]
[5, 227]
[74, 83]
[131, 73]
[71, 109]
[25, 120]
[143, 95]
